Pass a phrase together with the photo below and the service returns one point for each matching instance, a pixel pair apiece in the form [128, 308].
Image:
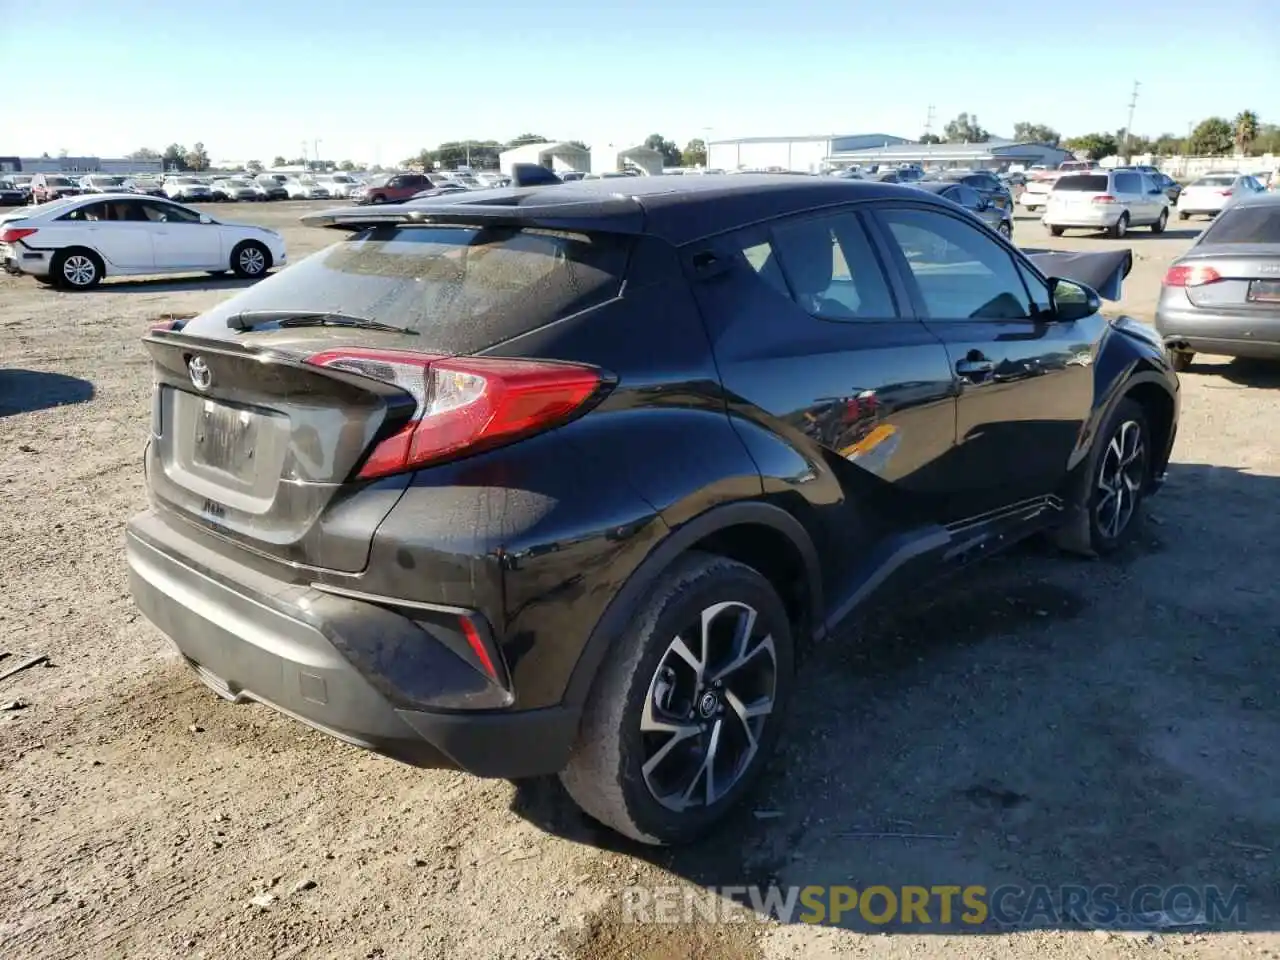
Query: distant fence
[1183, 167]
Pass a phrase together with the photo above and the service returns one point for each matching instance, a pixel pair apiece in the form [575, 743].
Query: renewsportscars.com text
[1102, 905]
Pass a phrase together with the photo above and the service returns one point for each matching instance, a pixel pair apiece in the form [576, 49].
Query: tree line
[485, 153]
[1213, 136]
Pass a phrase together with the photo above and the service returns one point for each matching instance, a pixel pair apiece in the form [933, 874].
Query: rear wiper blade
[249, 319]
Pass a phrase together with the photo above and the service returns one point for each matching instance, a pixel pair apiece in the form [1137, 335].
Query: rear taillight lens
[14, 234]
[466, 404]
[1191, 276]
[1104, 198]
[1225, 193]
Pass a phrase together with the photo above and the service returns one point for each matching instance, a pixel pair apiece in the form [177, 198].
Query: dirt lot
[1043, 720]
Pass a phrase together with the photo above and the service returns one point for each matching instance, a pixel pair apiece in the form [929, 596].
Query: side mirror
[1072, 301]
[205, 218]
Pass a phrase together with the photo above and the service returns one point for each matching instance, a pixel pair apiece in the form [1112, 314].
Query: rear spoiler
[1104, 271]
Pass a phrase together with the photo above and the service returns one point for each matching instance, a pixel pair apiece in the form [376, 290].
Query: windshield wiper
[249, 319]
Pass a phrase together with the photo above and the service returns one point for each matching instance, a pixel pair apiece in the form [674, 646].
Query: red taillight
[1104, 198]
[465, 404]
[1225, 193]
[1191, 276]
[14, 234]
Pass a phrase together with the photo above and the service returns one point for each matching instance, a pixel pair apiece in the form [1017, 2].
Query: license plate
[225, 438]
[1264, 291]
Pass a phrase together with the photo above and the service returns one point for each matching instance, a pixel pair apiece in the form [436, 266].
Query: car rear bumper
[1083, 219]
[1256, 335]
[351, 668]
[18, 259]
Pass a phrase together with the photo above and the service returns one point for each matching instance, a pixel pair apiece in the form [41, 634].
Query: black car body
[553, 479]
[11, 195]
[987, 184]
[997, 218]
[1223, 295]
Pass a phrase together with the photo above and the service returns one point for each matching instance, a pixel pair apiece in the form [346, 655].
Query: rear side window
[1251, 224]
[462, 288]
[1128, 183]
[831, 269]
[1091, 183]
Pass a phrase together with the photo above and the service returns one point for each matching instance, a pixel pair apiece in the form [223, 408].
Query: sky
[379, 81]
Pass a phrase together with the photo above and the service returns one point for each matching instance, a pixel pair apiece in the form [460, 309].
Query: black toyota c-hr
[556, 479]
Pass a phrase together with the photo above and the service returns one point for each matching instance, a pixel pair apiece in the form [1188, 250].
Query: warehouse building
[609, 159]
[993, 155]
[553, 156]
[78, 165]
[800, 154]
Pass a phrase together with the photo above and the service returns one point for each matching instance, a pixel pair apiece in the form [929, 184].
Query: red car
[48, 186]
[394, 188]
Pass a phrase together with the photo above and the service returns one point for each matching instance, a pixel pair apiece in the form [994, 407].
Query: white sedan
[75, 242]
[307, 189]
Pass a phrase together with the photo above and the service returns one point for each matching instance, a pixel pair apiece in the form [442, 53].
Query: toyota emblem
[201, 375]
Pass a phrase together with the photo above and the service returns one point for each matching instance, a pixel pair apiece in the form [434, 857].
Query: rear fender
[622, 608]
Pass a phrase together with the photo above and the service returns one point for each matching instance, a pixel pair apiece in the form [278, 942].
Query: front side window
[831, 268]
[961, 272]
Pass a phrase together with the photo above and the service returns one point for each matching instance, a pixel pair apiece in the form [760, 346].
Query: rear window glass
[1089, 182]
[1251, 224]
[1214, 182]
[461, 288]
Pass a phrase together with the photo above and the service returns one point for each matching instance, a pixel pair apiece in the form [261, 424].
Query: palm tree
[1246, 130]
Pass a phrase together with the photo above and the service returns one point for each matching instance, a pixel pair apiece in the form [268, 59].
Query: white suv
[1112, 201]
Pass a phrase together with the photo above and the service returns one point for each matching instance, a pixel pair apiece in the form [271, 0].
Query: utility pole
[928, 121]
[1128, 130]
[304, 155]
[315, 156]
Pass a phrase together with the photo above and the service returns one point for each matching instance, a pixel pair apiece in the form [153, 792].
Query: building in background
[553, 156]
[993, 155]
[800, 154]
[79, 165]
[609, 159]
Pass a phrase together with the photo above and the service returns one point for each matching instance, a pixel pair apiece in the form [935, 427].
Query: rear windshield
[57, 181]
[1082, 182]
[461, 288]
[1214, 182]
[1249, 224]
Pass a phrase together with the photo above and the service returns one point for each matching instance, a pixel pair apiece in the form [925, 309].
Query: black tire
[250, 260]
[1120, 228]
[1057, 231]
[1180, 360]
[1162, 222]
[1085, 533]
[76, 268]
[377, 198]
[605, 774]
[1183, 215]
[1005, 229]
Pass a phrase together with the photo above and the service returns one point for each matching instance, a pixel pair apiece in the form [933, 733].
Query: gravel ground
[1042, 720]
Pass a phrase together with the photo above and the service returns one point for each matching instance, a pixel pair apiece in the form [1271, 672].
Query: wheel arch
[762, 535]
[67, 251]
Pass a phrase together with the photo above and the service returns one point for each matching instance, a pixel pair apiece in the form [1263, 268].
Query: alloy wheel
[79, 270]
[705, 710]
[1120, 478]
[252, 261]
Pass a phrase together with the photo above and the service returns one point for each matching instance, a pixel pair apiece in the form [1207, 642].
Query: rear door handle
[975, 369]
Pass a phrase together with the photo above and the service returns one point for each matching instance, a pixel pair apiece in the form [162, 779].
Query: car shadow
[192, 284]
[26, 391]
[1073, 744]
[1247, 372]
